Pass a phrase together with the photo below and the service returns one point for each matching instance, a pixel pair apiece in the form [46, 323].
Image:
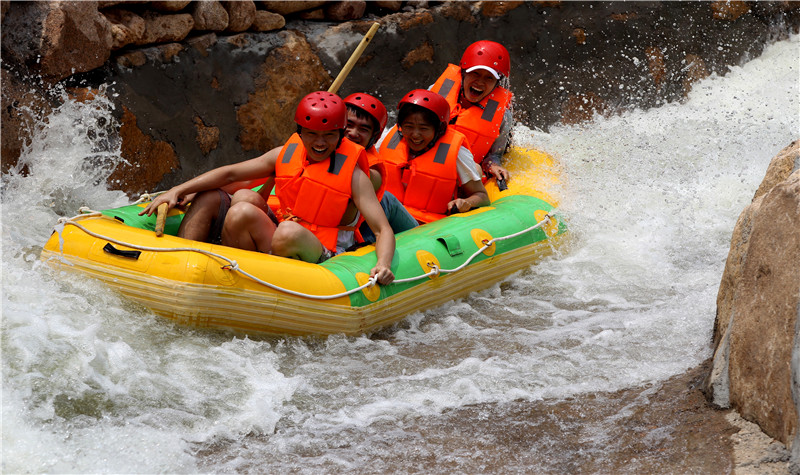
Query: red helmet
[370, 105]
[428, 100]
[487, 55]
[321, 110]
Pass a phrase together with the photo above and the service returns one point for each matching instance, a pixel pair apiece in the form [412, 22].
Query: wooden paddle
[353, 58]
[161, 218]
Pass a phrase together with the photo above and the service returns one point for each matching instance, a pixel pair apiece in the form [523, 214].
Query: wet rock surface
[667, 427]
[663, 428]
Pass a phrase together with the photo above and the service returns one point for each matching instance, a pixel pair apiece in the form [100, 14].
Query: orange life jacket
[316, 194]
[480, 123]
[424, 184]
[376, 163]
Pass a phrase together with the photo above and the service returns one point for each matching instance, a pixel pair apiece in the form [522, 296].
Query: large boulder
[756, 361]
[56, 39]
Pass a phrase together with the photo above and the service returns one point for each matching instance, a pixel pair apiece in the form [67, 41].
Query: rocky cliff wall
[199, 84]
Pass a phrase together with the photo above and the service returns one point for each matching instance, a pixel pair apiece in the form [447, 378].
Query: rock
[241, 15]
[3, 9]
[126, 27]
[314, 15]
[146, 160]
[498, 9]
[580, 35]
[459, 11]
[170, 6]
[77, 38]
[210, 15]
[287, 7]
[56, 39]
[268, 21]
[207, 136]
[729, 9]
[408, 21]
[756, 327]
[417, 5]
[765, 316]
[780, 168]
[166, 28]
[695, 71]
[278, 90]
[113, 3]
[345, 11]
[389, 5]
[169, 51]
[424, 52]
[132, 59]
[581, 108]
[203, 43]
[656, 65]
[22, 106]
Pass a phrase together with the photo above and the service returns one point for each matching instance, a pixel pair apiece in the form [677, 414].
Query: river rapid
[94, 383]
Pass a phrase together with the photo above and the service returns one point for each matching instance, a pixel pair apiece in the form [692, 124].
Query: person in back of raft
[321, 180]
[429, 166]
[480, 102]
[366, 119]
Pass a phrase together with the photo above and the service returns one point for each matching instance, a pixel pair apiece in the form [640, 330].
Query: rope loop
[233, 265]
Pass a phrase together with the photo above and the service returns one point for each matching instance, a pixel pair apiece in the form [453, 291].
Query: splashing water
[93, 383]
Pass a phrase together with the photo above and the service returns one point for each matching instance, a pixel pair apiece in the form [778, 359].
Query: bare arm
[474, 194]
[259, 167]
[366, 202]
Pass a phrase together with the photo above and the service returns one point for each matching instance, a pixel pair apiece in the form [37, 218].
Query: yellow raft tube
[213, 286]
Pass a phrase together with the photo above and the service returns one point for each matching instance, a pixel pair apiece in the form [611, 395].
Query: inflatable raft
[215, 286]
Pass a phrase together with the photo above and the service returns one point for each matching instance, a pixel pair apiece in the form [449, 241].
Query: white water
[92, 383]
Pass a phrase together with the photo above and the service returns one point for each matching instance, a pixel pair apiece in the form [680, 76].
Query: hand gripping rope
[234, 266]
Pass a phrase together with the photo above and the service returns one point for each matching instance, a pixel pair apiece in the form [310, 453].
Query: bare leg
[203, 211]
[249, 196]
[296, 242]
[248, 227]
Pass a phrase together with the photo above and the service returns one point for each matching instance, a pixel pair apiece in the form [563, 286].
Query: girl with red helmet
[477, 91]
[430, 168]
[318, 163]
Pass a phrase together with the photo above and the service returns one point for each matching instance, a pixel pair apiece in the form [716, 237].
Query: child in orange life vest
[429, 166]
[480, 107]
[316, 174]
[366, 119]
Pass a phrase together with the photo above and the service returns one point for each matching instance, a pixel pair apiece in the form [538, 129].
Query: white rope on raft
[234, 266]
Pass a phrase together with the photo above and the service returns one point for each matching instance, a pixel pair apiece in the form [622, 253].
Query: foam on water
[92, 383]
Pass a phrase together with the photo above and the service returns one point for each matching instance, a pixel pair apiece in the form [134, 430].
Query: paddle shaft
[337, 83]
[161, 218]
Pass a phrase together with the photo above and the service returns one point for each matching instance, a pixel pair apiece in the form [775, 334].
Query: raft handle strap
[119, 252]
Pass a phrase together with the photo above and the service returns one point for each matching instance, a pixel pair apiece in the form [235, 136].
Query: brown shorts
[215, 232]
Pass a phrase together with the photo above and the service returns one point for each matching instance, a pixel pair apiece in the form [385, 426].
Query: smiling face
[478, 84]
[359, 129]
[417, 131]
[319, 144]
